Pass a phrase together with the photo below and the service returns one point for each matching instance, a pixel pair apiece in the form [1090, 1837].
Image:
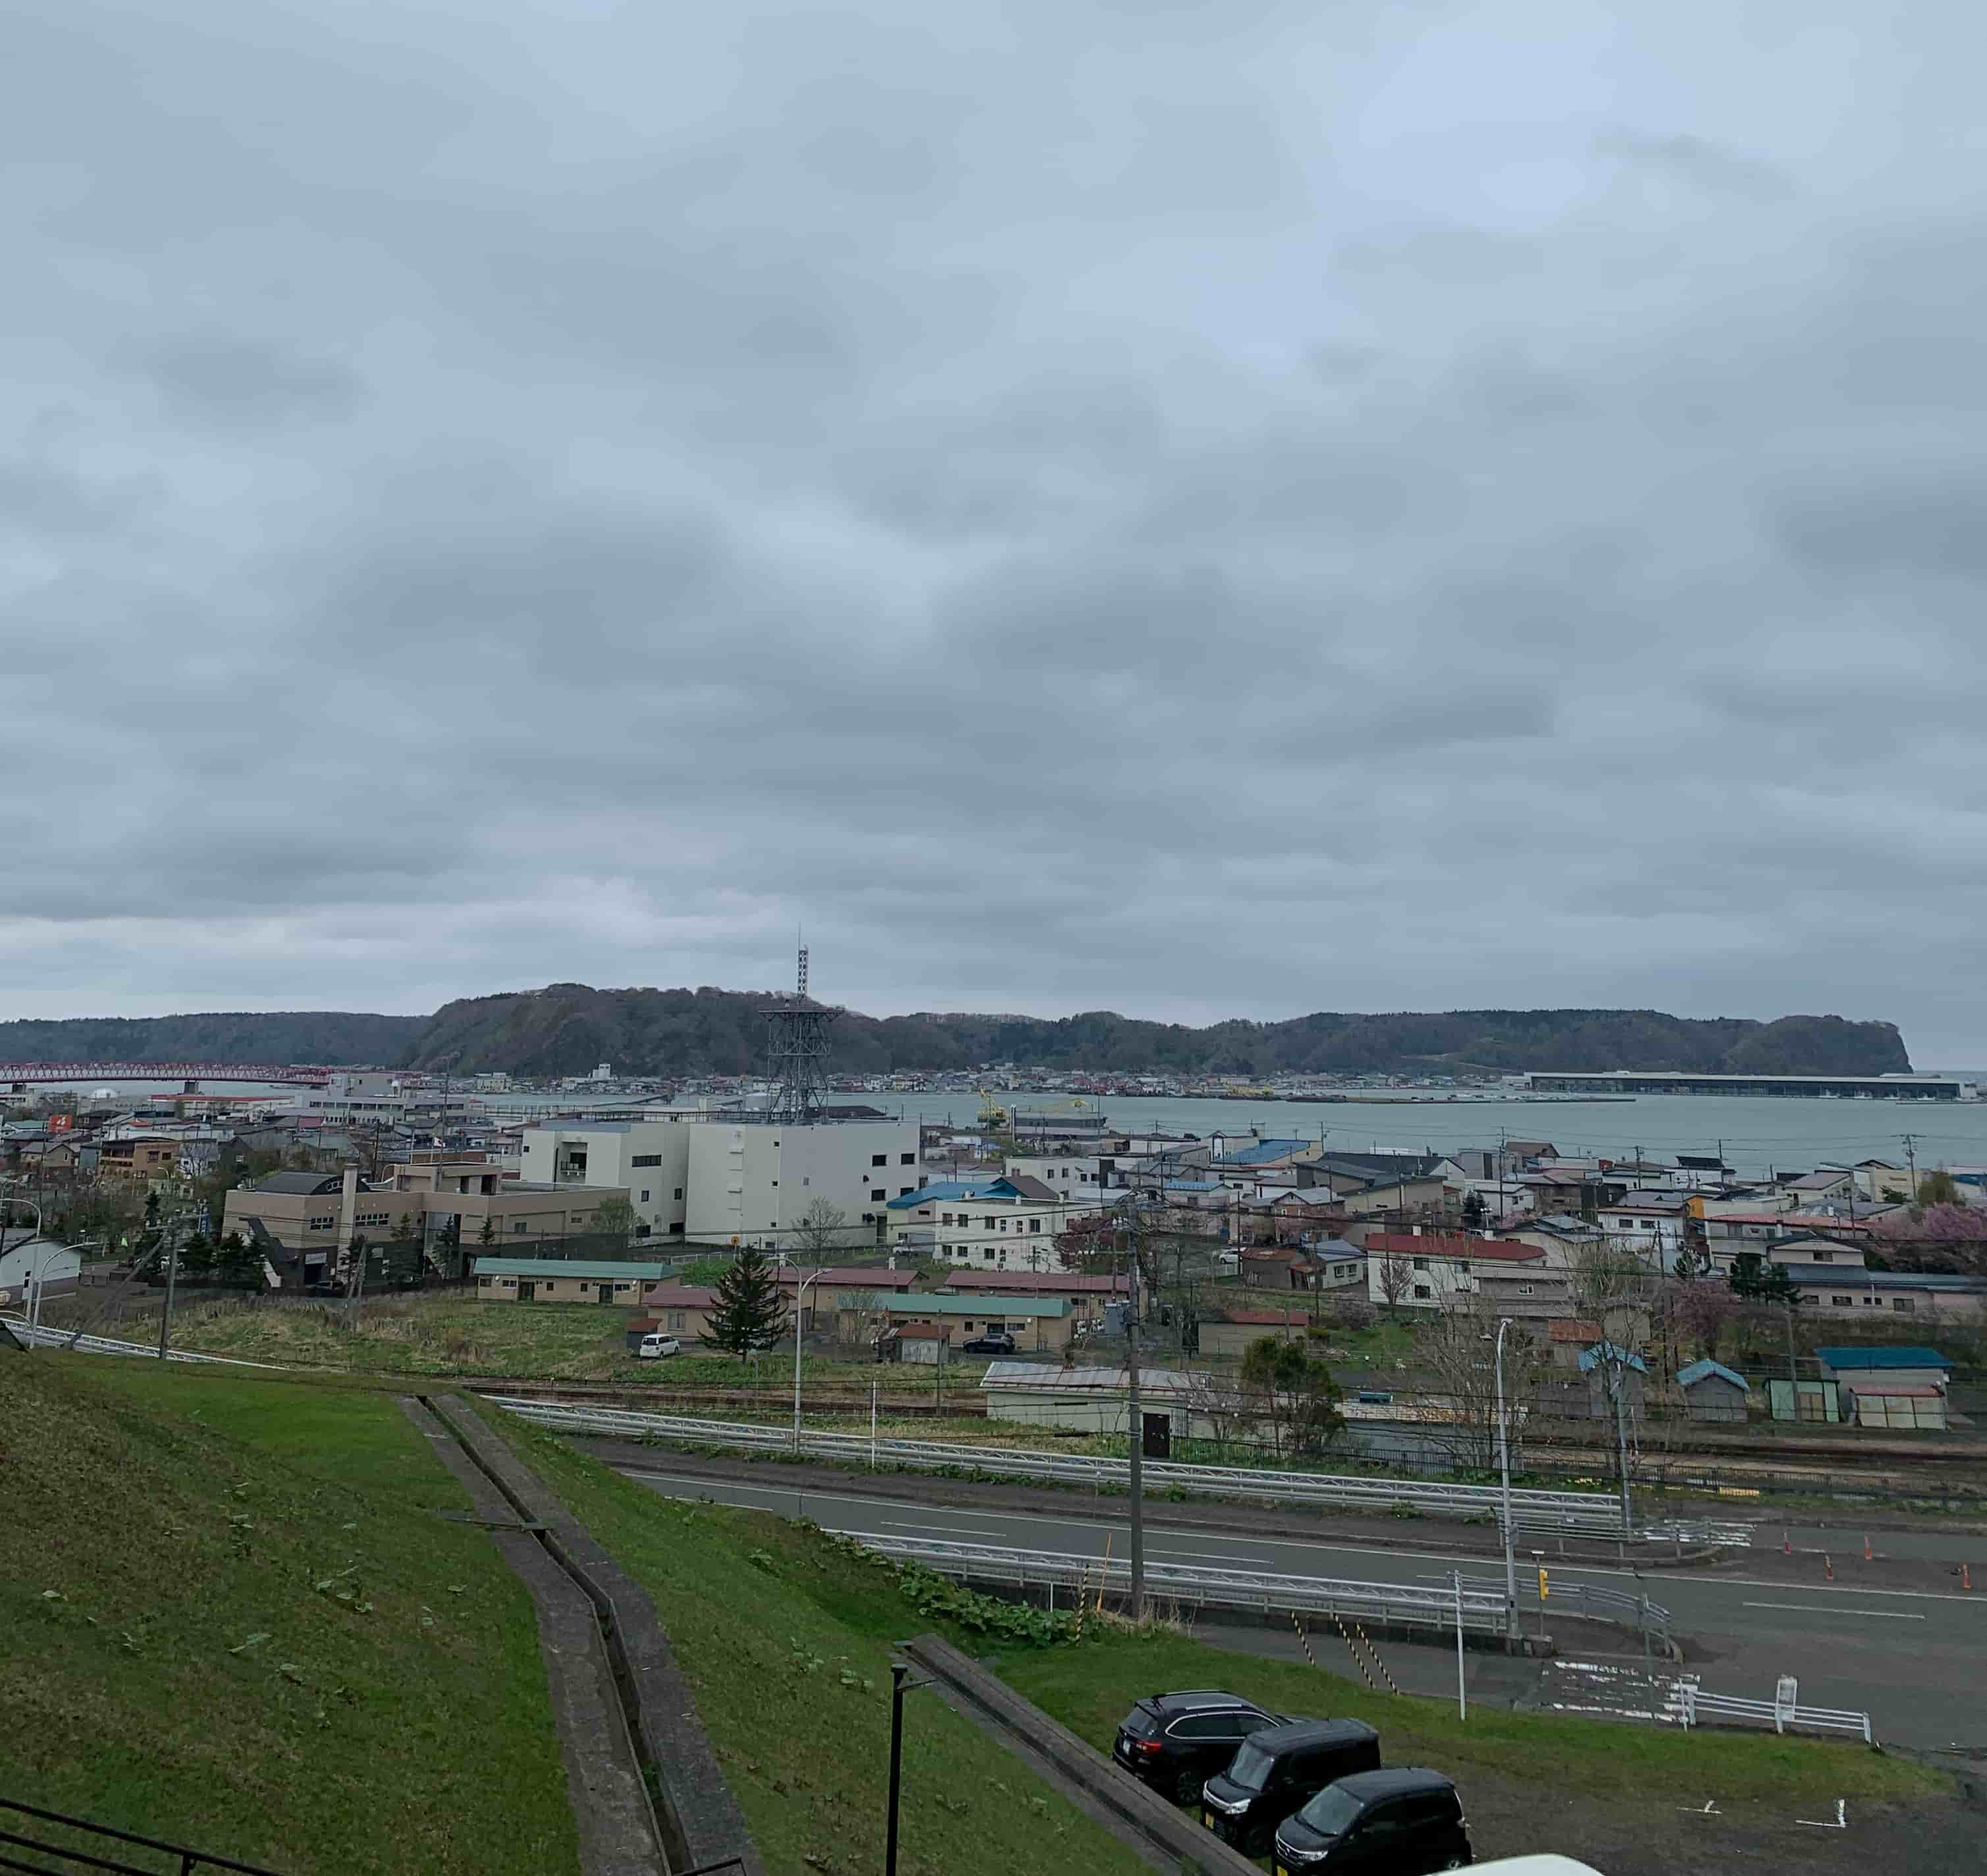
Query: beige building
[463, 1198]
[555, 1279]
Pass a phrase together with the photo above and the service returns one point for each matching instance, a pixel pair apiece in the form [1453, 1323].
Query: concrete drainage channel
[649, 1798]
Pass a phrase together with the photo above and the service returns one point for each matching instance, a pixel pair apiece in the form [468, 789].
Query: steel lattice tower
[796, 1052]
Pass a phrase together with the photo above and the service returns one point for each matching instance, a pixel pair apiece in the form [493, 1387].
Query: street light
[800, 1299]
[900, 1686]
[1504, 1467]
[8, 1200]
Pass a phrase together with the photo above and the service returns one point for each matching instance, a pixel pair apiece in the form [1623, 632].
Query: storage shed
[1912, 1410]
[1888, 1366]
[1712, 1391]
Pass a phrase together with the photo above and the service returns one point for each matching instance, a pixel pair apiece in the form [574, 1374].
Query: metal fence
[1404, 1604]
[45, 1337]
[1696, 1706]
[1565, 1513]
[108, 1849]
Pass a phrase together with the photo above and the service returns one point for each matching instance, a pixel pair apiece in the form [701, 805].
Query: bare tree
[1396, 1277]
[1230, 1412]
[1610, 1283]
[1460, 1346]
[821, 1229]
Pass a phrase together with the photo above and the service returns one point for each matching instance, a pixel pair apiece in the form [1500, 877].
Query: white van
[1546, 1863]
[654, 1348]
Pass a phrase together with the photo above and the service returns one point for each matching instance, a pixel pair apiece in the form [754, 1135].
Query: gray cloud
[1201, 513]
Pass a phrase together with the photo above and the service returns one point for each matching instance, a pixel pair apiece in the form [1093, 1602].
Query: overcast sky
[1201, 509]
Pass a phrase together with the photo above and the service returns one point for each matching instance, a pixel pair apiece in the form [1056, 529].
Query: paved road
[1908, 1656]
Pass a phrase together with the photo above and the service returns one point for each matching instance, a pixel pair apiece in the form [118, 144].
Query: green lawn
[785, 1637]
[231, 1620]
[1091, 1688]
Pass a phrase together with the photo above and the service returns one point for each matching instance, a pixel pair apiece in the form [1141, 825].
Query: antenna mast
[796, 1052]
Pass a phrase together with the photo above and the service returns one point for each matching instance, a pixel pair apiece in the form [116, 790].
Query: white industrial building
[651, 1157]
[752, 1180]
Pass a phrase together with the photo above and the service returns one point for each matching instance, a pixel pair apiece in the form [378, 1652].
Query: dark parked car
[995, 1342]
[1401, 1823]
[1275, 1771]
[1174, 1742]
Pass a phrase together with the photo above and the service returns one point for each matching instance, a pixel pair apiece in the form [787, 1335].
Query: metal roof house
[1712, 1391]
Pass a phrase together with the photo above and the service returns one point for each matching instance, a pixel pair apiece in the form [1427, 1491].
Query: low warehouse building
[558, 1280]
[1712, 1391]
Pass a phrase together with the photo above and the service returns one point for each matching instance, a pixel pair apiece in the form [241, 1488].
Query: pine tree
[750, 1314]
[1757, 1279]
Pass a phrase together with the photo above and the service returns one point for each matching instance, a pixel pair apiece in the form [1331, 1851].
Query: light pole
[8, 1200]
[900, 1686]
[800, 1299]
[1504, 1467]
[1135, 1413]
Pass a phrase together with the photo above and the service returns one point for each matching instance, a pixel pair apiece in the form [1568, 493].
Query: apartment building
[650, 1158]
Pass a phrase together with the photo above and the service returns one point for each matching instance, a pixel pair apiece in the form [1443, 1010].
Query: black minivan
[1401, 1823]
[1273, 1772]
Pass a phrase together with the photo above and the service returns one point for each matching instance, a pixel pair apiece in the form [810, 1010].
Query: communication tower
[796, 1052]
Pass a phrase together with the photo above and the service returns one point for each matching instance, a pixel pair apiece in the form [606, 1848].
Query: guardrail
[1592, 1600]
[44, 1337]
[1564, 1514]
[1695, 1705]
[1401, 1604]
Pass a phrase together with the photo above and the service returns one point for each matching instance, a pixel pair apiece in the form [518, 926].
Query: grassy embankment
[233, 1620]
[785, 1637]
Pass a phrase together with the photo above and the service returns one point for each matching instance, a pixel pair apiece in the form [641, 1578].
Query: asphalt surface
[1895, 1637]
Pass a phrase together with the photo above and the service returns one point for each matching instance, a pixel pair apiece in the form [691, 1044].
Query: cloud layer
[1203, 509]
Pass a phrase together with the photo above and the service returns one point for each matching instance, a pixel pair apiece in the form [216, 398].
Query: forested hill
[335, 1038]
[567, 1029]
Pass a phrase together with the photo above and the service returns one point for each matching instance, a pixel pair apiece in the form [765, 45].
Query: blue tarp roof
[954, 1189]
[1882, 1358]
[1699, 1371]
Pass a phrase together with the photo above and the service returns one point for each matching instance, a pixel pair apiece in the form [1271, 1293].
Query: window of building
[1420, 1263]
[321, 1224]
[677, 1319]
[644, 1196]
[646, 1159]
[880, 1193]
[518, 1229]
[1842, 1302]
[1524, 1289]
[904, 1192]
[1905, 1303]
[677, 1193]
[1422, 1293]
[879, 1159]
[1824, 1256]
[986, 1251]
[909, 1159]
[868, 1218]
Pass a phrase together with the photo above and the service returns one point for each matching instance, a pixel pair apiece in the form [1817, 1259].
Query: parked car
[655, 1347]
[1175, 1742]
[996, 1341]
[1276, 1772]
[1400, 1822]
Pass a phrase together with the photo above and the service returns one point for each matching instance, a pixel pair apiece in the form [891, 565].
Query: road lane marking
[1822, 1608]
[1649, 1579]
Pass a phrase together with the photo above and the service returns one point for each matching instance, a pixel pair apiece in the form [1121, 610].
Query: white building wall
[754, 1182]
[650, 1158]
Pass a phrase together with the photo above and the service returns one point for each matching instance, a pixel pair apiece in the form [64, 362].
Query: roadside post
[1462, 1698]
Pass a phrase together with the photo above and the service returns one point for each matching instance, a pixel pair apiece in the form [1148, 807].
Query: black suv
[1401, 1823]
[995, 1341]
[1174, 1742]
[1275, 1771]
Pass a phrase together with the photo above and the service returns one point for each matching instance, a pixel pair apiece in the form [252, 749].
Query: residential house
[682, 1310]
[1231, 1331]
[1649, 1223]
[1005, 1223]
[553, 1280]
[1567, 1339]
[1086, 1295]
[1435, 1270]
[1924, 1293]
[1038, 1324]
[138, 1160]
[826, 1292]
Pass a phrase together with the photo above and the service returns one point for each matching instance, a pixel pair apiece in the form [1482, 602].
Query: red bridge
[17, 1076]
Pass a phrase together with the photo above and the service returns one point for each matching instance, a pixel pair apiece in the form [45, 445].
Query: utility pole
[1137, 1472]
[169, 1249]
[1910, 1141]
[1620, 1365]
[1504, 1467]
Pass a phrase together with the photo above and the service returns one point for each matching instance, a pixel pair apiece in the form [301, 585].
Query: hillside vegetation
[234, 1621]
[567, 1029]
